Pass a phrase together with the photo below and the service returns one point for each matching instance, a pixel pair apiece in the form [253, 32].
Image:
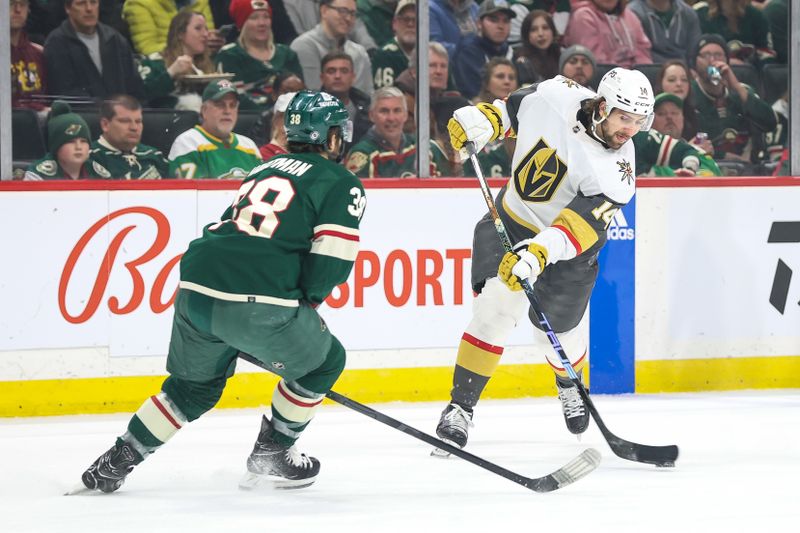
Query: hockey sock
[559, 369]
[476, 362]
[293, 408]
[156, 421]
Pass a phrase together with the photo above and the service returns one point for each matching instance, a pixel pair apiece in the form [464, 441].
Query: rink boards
[89, 275]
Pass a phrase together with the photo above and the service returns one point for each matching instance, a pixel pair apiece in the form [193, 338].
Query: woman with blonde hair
[187, 53]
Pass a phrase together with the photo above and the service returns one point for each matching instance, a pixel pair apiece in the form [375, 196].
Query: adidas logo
[619, 230]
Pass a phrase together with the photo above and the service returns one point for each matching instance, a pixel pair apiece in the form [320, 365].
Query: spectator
[336, 21]
[119, 149]
[278, 143]
[742, 25]
[255, 58]
[450, 20]
[212, 150]
[305, 15]
[777, 140]
[577, 63]
[777, 14]
[149, 22]
[558, 9]
[727, 108]
[86, 58]
[377, 16]
[671, 25]
[47, 15]
[68, 139]
[494, 25]
[393, 57]
[386, 151]
[337, 79]
[612, 32]
[674, 78]
[536, 58]
[186, 53]
[28, 73]
[661, 151]
[498, 80]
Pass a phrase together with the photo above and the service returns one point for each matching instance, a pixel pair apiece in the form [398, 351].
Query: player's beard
[611, 138]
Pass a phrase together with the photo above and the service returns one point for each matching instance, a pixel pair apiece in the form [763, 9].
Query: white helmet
[628, 90]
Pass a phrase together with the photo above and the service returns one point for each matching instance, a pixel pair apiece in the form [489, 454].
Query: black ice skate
[109, 471]
[575, 413]
[276, 465]
[453, 427]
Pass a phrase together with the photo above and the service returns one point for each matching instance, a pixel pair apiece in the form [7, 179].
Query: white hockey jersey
[561, 177]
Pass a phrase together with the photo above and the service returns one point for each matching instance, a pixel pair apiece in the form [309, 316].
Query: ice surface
[738, 471]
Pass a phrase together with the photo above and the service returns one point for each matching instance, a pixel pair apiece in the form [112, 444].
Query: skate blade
[80, 488]
[444, 454]
[252, 481]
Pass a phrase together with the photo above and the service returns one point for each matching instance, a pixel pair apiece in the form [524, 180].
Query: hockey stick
[579, 467]
[657, 455]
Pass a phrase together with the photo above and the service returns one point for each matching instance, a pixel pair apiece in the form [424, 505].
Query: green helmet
[310, 115]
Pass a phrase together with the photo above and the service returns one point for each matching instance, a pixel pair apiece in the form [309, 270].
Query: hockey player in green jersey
[251, 284]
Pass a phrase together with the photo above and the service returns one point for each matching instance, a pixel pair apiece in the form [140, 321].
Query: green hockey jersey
[292, 233]
[373, 157]
[494, 159]
[143, 162]
[196, 154]
[661, 155]
[48, 168]
[254, 78]
[388, 63]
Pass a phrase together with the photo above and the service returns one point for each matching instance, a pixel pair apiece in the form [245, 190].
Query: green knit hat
[64, 126]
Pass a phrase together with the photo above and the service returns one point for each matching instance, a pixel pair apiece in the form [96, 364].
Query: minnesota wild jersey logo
[625, 170]
[539, 173]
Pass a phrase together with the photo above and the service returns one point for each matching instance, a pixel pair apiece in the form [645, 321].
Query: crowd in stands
[140, 89]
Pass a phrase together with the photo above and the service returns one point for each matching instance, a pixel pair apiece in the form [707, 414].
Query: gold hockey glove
[528, 264]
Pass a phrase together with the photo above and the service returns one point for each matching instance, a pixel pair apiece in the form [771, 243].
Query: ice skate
[274, 465]
[575, 413]
[109, 471]
[453, 428]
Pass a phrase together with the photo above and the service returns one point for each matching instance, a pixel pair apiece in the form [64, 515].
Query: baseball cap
[495, 6]
[668, 97]
[283, 102]
[217, 89]
[402, 4]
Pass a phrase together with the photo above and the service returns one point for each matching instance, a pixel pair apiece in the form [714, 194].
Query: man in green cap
[251, 283]
[68, 139]
[211, 150]
[119, 148]
[661, 151]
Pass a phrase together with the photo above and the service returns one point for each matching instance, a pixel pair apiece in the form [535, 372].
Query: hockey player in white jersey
[573, 169]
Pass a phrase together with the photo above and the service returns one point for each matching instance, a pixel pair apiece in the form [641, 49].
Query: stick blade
[664, 456]
[581, 466]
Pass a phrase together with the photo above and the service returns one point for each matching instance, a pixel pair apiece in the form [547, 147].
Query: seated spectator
[278, 143]
[577, 63]
[473, 51]
[305, 15]
[149, 22]
[119, 149]
[674, 77]
[255, 58]
[451, 20]
[337, 79]
[186, 52]
[385, 151]
[661, 151]
[336, 21]
[536, 58]
[742, 25]
[47, 15]
[558, 9]
[28, 73]
[611, 31]
[727, 108]
[393, 57]
[671, 26]
[777, 14]
[212, 150]
[498, 80]
[68, 139]
[86, 58]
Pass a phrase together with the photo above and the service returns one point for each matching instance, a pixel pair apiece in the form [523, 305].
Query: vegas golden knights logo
[539, 174]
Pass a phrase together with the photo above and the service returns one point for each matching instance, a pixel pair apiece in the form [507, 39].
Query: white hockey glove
[526, 264]
[480, 124]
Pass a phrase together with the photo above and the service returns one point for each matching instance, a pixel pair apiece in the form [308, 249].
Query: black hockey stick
[579, 467]
[643, 453]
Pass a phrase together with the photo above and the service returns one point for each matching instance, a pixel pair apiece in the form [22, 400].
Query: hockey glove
[527, 264]
[480, 124]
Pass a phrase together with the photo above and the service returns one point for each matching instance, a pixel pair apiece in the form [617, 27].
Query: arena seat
[247, 122]
[651, 71]
[161, 126]
[776, 81]
[26, 135]
[748, 74]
